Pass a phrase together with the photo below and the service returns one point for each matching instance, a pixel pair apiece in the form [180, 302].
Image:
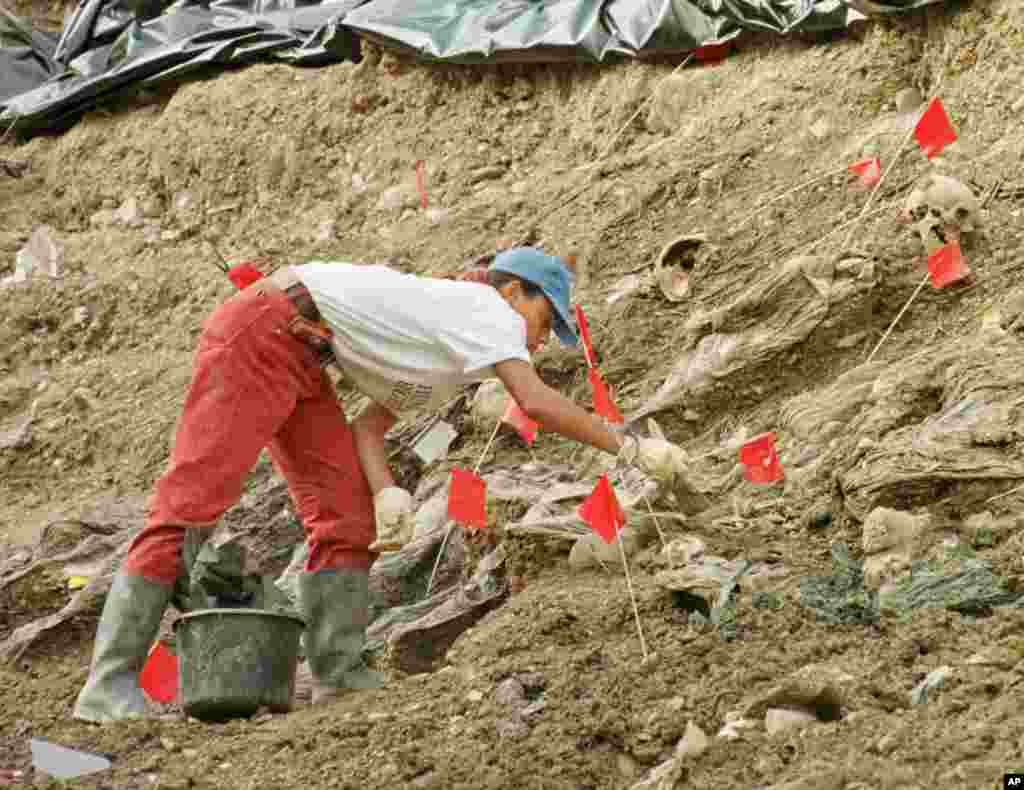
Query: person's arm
[368, 433]
[552, 410]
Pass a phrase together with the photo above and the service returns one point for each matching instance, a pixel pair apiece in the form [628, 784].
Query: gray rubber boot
[336, 607]
[129, 623]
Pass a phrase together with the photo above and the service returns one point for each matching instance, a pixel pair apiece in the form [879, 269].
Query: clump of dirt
[291, 165]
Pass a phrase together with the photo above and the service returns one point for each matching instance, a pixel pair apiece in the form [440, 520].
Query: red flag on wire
[159, 676]
[517, 418]
[760, 460]
[601, 510]
[603, 403]
[467, 499]
[421, 182]
[946, 265]
[244, 275]
[588, 346]
[934, 131]
[869, 171]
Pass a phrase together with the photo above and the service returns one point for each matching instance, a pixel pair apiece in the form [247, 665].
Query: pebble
[513, 728]
[908, 99]
[821, 128]
[510, 692]
[693, 743]
[627, 765]
[782, 719]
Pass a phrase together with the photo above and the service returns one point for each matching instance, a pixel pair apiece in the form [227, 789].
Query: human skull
[942, 209]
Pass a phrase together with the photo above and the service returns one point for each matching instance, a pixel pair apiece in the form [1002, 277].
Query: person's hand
[662, 460]
[393, 511]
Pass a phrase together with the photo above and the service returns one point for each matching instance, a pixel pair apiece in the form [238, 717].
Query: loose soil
[288, 165]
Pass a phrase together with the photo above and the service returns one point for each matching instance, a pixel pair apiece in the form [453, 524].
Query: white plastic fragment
[434, 444]
[40, 255]
[63, 763]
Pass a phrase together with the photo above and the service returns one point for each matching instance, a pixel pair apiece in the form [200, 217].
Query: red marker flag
[868, 170]
[421, 181]
[603, 403]
[946, 265]
[244, 274]
[517, 418]
[588, 347]
[760, 460]
[934, 131]
[601, 510]
[159, 676]
[467, 499]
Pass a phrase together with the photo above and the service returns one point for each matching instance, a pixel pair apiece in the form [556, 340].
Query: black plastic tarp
[26, 56]
[111, 47]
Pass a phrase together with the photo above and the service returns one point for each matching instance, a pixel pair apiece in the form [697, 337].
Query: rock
[437, 216]
[907, 100]
[152, 207]
[626, 286]
[425, 780]
[533, 682]
[851, 340]
[489, 402]
[475, 696]
[683, 550]
[80, 316]
[890, 539]
[627, 766]
[533, 708]
[129, 213]
[733, 729]
[821, 128]
[663, 777]
[590, 550]
[705, 577]
[183, 201]
[693, 743]
[996, 656]
[513, 728]
[782, 719]
[102, 219]
[168, 744]
[486, 174]
[326, 231]
[510, 692]
[821, 688]
[398, 197]
[1018, 105]
[933, 682]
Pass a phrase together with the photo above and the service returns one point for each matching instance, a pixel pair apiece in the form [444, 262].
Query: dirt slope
[301, 164]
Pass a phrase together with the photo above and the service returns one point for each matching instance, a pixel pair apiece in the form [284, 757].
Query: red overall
[256, 385]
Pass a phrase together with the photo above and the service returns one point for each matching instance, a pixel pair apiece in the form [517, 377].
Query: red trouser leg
[316, 453]
[251, 379]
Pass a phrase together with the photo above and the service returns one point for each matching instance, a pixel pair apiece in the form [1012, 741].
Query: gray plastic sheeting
[110, 48]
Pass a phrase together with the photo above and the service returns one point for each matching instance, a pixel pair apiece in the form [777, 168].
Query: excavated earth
[612, 163]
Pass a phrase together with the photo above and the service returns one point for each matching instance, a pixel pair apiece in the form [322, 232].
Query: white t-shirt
[410, 343]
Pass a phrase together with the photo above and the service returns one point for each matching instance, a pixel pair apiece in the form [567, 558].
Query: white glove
[662, 460]
[393, 511]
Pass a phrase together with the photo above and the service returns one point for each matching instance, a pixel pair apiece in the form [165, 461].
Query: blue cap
[550, 275]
